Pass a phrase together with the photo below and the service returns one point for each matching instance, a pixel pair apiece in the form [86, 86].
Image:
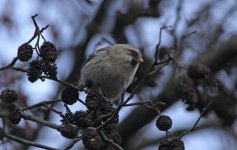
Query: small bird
[110, 70]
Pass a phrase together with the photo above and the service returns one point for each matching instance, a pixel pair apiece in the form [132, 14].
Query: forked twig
[199, 118]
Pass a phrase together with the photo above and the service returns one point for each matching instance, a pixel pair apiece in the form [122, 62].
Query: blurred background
[79, 27]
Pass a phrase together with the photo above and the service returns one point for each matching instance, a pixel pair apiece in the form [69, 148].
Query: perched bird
[110, 70]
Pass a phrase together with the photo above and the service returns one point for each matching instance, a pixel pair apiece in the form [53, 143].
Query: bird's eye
[133, 53]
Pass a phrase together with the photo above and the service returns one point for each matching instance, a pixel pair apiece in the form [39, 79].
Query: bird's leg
[101, 94]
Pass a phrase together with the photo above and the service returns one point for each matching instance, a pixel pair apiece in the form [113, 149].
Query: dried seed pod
[12, 107]
[68, 131]
[50, 69]
[25, 52]
[69, 95]
[34, 71]
[93, 101]
[82, 119]
[164, 123]
[91, 139]
[15, 116]
[188, 94]
[113, 134]
[67, 118]
[177, 144]
[164, 145]
[198, 71]
[9, 96]
[48, 52]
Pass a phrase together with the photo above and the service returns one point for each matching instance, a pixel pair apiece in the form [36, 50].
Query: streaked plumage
[110, 70]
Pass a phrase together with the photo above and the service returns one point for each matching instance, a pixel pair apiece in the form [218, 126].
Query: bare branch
[40, 121]
[27, 142]
[199, 118]
[10, 65]
[41, 104]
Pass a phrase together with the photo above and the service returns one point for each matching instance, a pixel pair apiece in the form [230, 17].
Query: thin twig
[159, 42]
[37, 33]
[81, 101]
[72, 144]
[53, 110]
[40, 121]
[27, 142]
[42, 77]
[43, 37]
[33, 18]
[64, 83]
[197, 121]
[37, 30]
[37, 42]
[189, 34]
[115, 145]
[147, 104]
[144, 102]
[18, 69]
[41, 104]
[9, 65]
[154, 69]
[110, 119]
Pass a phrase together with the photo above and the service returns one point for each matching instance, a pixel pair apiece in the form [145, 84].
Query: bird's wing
[91, 56]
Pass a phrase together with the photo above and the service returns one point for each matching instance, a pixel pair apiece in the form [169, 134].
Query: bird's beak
[139, 59]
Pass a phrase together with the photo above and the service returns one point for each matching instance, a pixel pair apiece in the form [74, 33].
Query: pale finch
[110, 70]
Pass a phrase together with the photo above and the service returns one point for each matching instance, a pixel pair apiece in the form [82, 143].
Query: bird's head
[126, 51]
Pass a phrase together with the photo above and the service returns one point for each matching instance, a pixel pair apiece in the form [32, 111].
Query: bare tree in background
[196, 82]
